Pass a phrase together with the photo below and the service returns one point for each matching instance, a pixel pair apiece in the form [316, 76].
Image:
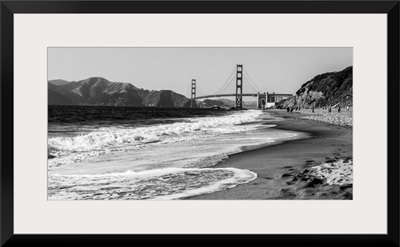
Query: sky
[279, 70]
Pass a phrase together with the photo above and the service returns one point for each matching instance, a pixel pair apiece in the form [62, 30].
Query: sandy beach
[317, 167]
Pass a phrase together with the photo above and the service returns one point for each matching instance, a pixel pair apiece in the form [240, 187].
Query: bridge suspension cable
[199, 90]
[187, 93]
[227, 82]
[255, 90]
[226, 86]
[251, 80]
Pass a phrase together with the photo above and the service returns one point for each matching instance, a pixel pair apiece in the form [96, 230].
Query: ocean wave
[157, 184]
[105, 140]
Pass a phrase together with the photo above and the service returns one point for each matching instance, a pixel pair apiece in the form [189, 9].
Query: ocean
[148, 153]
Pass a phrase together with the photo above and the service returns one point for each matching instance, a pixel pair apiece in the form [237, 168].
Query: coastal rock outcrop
[324, 90]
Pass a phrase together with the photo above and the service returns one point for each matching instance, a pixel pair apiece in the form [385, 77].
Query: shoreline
[278, 164]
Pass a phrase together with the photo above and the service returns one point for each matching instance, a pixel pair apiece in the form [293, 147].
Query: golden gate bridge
[263, 99]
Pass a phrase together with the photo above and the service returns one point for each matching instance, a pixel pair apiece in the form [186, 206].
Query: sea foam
[68, 150]
[159, 184]
[158, 162]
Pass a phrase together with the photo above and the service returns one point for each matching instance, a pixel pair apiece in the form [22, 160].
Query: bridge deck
[244, 94]
[225, 95]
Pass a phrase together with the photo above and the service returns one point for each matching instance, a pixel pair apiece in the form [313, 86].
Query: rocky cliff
[332, 88]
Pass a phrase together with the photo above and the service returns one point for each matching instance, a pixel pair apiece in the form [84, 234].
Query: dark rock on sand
[345, 186]
[286, 193]
[329, 160]
[285, 175]
[348, 195]
[314, 182]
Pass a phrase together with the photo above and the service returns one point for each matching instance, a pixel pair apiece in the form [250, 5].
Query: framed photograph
[200, 123]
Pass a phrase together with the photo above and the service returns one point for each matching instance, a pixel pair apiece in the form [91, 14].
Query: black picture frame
[9, 8]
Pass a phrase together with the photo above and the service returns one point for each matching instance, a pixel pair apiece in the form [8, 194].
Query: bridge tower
[193, 94]
[239, 86]
[261, 100]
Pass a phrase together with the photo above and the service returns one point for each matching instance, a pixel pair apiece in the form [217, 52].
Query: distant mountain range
[100, 91]
[226, 103]
[332, 88]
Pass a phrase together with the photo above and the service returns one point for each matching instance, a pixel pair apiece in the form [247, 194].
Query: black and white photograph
[200, 123]
[241, 123]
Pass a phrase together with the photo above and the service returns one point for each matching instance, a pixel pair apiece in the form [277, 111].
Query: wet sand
[282, 169]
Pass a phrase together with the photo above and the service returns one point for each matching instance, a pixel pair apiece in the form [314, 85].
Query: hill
[332, 88]
[226, 103]
[100, 91]
[165, 98]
